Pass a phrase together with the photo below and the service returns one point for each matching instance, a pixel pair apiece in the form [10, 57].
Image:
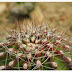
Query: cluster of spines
[35, 48]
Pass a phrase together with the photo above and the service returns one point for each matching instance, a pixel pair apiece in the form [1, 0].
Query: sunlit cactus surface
[36, 48]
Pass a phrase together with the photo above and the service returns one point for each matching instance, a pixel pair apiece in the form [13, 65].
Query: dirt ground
[57, 15]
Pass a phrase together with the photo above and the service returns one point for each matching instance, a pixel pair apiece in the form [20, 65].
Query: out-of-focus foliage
[22, 8]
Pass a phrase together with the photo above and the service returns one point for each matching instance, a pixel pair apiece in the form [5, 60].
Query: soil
[57, 15]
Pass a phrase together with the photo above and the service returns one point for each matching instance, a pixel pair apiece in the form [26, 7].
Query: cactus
[22, 8]
[35, 48]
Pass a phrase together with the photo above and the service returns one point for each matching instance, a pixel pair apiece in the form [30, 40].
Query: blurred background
[57, 15]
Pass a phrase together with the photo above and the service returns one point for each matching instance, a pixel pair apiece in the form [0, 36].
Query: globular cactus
[35, 48]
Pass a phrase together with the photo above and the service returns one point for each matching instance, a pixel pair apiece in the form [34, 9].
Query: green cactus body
[35, 48]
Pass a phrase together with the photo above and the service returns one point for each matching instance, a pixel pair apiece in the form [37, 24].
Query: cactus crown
[36, 48]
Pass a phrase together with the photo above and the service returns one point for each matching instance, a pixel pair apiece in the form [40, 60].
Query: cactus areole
[35, 48]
